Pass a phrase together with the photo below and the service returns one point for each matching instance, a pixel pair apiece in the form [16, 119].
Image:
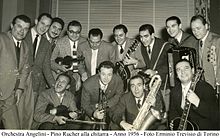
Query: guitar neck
[184, 117]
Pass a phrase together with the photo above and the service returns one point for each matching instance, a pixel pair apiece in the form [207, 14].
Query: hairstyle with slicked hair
[121, 26]
[74, 23]
[148, 27]
[199, 17]
[58, 20]
[95, 32]
[44, 14]
[22, 17]
[177, 19]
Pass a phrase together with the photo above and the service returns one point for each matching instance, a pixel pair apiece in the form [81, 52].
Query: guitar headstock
[134, 45]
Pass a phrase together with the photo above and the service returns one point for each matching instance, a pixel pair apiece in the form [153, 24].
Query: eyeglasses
[73, 32]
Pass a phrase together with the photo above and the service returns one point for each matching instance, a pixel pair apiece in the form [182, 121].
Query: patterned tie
[74, 44]
[200, 53]
[35, 45]
[139, 103]
[121, 49]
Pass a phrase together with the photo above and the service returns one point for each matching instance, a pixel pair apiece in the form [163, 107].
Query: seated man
[203, 112]
[130, 104]
[100, 93]
[54, 106]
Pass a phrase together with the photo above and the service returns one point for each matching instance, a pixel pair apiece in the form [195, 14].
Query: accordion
[174, 55]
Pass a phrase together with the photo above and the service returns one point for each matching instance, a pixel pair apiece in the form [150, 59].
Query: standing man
[129, 105]
[209, 46]
[95, 51]
[154, 52]
[14, 70]
[178, 37]
[122, 44]
[203, 111]
[54, 31]
[105, 85]
[40, 53]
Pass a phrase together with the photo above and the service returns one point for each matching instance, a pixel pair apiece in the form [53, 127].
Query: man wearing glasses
[67, 46]
[95, 51]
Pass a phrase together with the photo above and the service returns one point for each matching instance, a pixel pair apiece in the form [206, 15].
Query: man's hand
[84, 76]
[53, 111]
[193, 98]
[130, 61]
[18, 94]
[98, 114]
[126, 126]
[73, 115]
[60, 119]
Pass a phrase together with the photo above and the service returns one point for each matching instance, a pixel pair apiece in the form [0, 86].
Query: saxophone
[146, 116]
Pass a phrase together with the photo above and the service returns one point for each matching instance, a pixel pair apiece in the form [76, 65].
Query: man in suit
[95, 51]
[209, 47]
[154, 53]
[67, 46]
[40, 53]
[203, 111]
[48, 111]
[14, 70]
[178, 37]
[129, 105]
[105, 86]
[54, 31]
[123, 52]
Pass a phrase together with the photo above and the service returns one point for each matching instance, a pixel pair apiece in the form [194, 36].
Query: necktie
[74, 44]
[149, 50]
[18, 52]
[139, 103]
[53, 45]
[121, 49]
[35, 45]
[200, 53]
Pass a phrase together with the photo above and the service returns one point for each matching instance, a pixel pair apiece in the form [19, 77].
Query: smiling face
[137, 87]
[19, 29]
[119, 36]
[184, 72]
[173, 28]
[74, 32]
[62, 83]
[146, 38]
[55, 30]
[105, 75]
[43, 25]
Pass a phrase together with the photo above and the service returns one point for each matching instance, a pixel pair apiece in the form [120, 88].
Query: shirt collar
[102, 86]
[34, 33]
[186, 87]
[142, 99]
[179, 37]
[204, 38]
[15, 41]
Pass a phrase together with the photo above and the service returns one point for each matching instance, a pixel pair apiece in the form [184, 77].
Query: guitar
[123, 69]
[181, 123]
[68, 60]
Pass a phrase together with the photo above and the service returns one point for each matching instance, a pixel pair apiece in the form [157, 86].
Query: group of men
[39, 92]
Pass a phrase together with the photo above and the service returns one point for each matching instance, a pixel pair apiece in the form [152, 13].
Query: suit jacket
[50, 97]
[127, 107]
[187, 40]
[136, 54]
[162, 64]
[211, 59]
[41, 66]
[90, 93]
[106, 52]
[206, 115]
[62, 49]
[12, 76]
